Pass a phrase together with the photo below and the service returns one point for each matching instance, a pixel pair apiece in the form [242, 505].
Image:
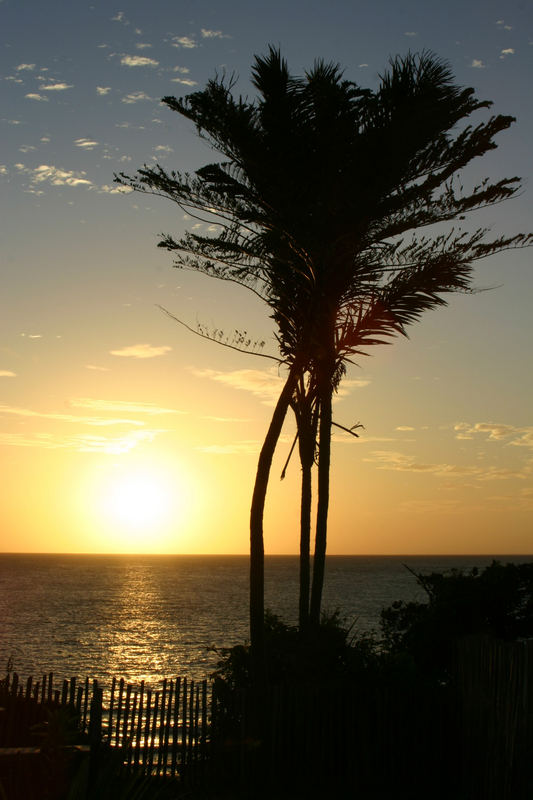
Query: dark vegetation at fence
[390, 733]
[337, 716]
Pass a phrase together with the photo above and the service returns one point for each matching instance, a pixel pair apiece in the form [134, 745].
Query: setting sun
[138, 500]
[141, 505]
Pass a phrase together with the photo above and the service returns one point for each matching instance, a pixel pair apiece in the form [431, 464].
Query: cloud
[107, 188]
[248, 447]
[120, 17]
[226, 419]
[184, 81]
[14, 122]
[410, 33]
[25, 67]
[404, 428]
[96, 368]
[103, 90]
[86, 144]
[46, 173]
[6, 373]
[263, 384]
[141, 351]
[163, 148]
[96, 421]
[509, 51]
[122, 406]
[118, 445]
[34, 96]
[135, 97]
[183, 70]
[138, 61]
[390, 460]
[511, 434]
[477, 64]
[56, 87]
[183, 41]
[502, 24]
[351, 383]
[209, 34]
[142, 45]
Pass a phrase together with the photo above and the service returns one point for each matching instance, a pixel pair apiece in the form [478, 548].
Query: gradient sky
[119, 430]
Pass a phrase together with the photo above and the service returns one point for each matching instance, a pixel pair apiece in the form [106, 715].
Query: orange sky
[120, 431]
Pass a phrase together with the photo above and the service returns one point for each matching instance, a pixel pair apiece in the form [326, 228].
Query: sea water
[149, 617]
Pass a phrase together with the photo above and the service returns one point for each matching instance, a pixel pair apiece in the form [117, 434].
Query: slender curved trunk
[324, 461]
[306, 440]
[257, 553]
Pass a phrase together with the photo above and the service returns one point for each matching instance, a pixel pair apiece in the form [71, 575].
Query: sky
[120, 431]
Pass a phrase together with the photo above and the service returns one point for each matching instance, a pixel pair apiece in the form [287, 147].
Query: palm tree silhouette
[320, 185]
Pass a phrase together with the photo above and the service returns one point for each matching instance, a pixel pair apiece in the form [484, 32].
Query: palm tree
[319, 182]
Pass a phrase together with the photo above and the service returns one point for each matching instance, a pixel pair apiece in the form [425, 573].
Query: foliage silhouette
[319, 200]
[497, 601]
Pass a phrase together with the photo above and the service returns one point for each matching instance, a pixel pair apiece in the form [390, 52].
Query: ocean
[142, 617]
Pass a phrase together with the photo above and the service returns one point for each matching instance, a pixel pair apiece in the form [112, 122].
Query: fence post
[95, 738]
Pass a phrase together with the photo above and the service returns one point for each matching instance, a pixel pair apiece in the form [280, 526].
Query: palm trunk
[307, 444]
[324, 460]
[257, 553]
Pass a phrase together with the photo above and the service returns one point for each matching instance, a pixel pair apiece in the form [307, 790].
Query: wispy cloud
[391, 460]
[34, 96]
[86, 144]
[96, 368]
[56, 87]
[6, 373]
[108, 188]
[240, 420]
[118, 445]
[210, 34]
[248, 447]
[509, 51]
[96, 421]
[103, 90]
[404, 428]
[184, 81]
[22, 67]
[142, 45]
[135, 97]
[121, 406]
[477, 63]
[410, 33]
[184, 41]
[46, 173]
[501, 23]
[263, 384]
[501, 432]
[141, 351]
[138, 61]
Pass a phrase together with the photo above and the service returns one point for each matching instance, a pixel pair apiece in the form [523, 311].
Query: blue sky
[447, 415]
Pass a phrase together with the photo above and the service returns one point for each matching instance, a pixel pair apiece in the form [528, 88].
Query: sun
[138, 506]
[138, 500]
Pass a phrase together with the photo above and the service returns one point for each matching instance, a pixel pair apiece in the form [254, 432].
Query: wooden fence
[163, 732]
[494, 683]
[476, 734]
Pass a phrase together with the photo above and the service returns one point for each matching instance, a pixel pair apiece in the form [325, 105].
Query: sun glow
[138, 506]
[138, 500]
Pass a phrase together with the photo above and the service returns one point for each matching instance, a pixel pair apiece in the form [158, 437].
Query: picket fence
[162, 731]
[477, 733]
